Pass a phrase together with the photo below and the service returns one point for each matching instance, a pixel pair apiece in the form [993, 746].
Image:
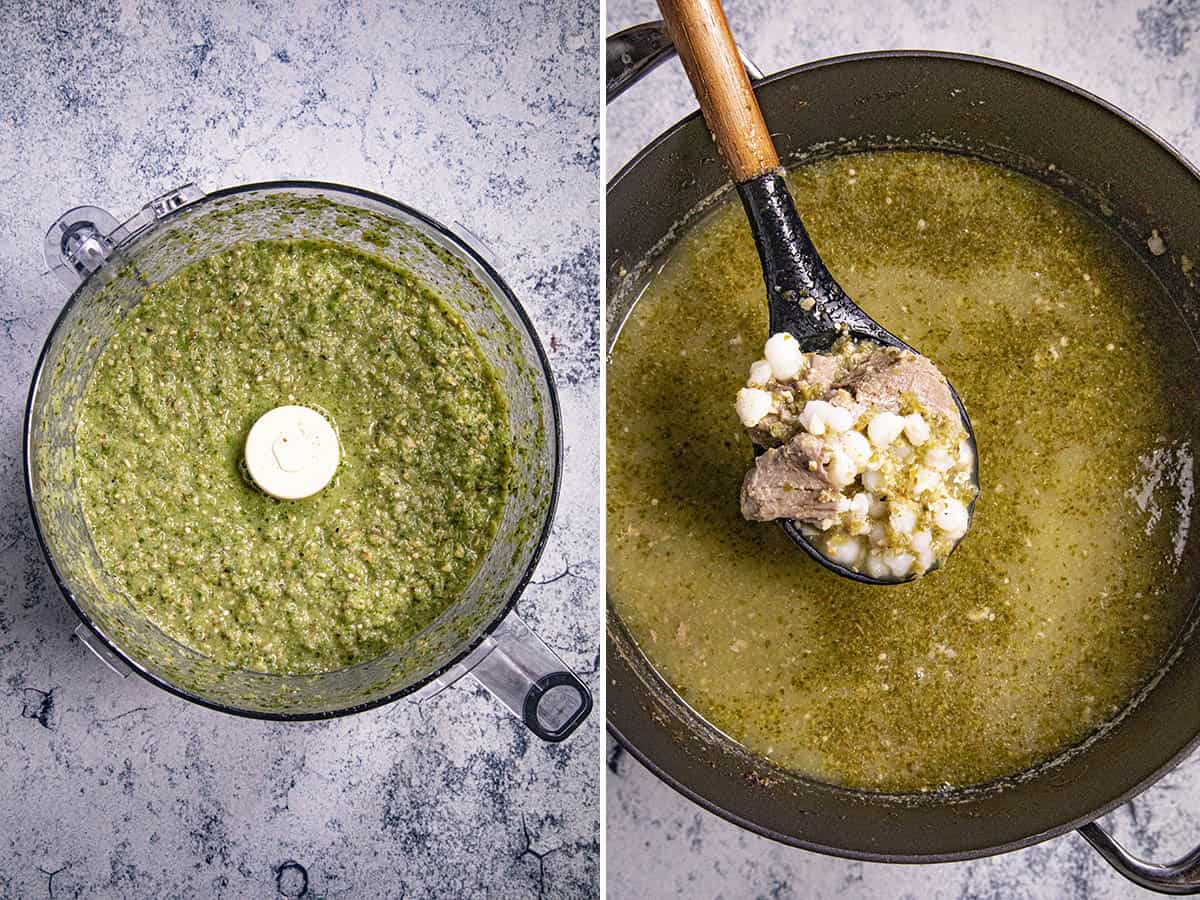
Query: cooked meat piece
[822, 369]
[889, 373]
[843, 398]
[782, 486]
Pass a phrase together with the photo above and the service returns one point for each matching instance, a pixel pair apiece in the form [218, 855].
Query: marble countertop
[475, 113]
[1142, 55]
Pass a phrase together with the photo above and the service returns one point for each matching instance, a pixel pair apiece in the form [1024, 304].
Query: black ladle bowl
[794, 272]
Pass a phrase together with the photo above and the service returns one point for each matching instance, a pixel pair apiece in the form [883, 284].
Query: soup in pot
[1065, 596]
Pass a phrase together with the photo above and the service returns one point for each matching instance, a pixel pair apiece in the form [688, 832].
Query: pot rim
[476, 258]
[692, 794]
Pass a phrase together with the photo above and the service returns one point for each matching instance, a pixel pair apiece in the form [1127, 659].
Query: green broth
[1061, 601]
[309, 585]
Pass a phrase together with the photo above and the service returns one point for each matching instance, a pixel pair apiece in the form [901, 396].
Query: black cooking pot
[1084, 148]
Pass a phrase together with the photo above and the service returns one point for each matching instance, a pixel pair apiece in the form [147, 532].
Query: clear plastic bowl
[87, 248]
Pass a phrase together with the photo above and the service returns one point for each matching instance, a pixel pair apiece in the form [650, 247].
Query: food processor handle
[528, 677]
[1179, 877]
[520, 671]
[636, 51]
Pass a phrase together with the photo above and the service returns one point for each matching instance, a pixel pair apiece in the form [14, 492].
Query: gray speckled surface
[485, 116]
[660, 845]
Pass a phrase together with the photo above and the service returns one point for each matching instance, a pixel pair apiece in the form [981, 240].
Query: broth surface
[1062, 599]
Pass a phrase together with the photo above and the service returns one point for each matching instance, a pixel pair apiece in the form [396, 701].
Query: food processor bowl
[109, 265]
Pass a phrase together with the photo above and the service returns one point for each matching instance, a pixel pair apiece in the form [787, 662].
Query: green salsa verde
[1067, 592]
[292, 586]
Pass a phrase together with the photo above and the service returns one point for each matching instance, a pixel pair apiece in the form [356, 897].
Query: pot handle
[636, 51]
[1179, 877]
[522, 672]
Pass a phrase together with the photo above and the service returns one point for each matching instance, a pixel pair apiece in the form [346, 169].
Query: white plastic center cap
[292, 452]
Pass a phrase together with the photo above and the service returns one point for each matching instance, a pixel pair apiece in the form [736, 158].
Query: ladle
[792, 269]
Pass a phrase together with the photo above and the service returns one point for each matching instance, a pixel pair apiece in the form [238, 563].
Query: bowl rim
[459, 244]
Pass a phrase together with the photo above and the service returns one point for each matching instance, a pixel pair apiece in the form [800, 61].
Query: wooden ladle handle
[705, 45]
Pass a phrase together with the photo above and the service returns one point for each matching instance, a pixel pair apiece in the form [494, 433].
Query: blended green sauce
[309, 585]
[1067, 592]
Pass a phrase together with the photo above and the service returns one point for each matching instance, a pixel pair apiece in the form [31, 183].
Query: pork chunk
[783, 485]
[888, 374]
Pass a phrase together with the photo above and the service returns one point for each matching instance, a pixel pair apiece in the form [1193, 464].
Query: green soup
[1063, 598]
[308, 585]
